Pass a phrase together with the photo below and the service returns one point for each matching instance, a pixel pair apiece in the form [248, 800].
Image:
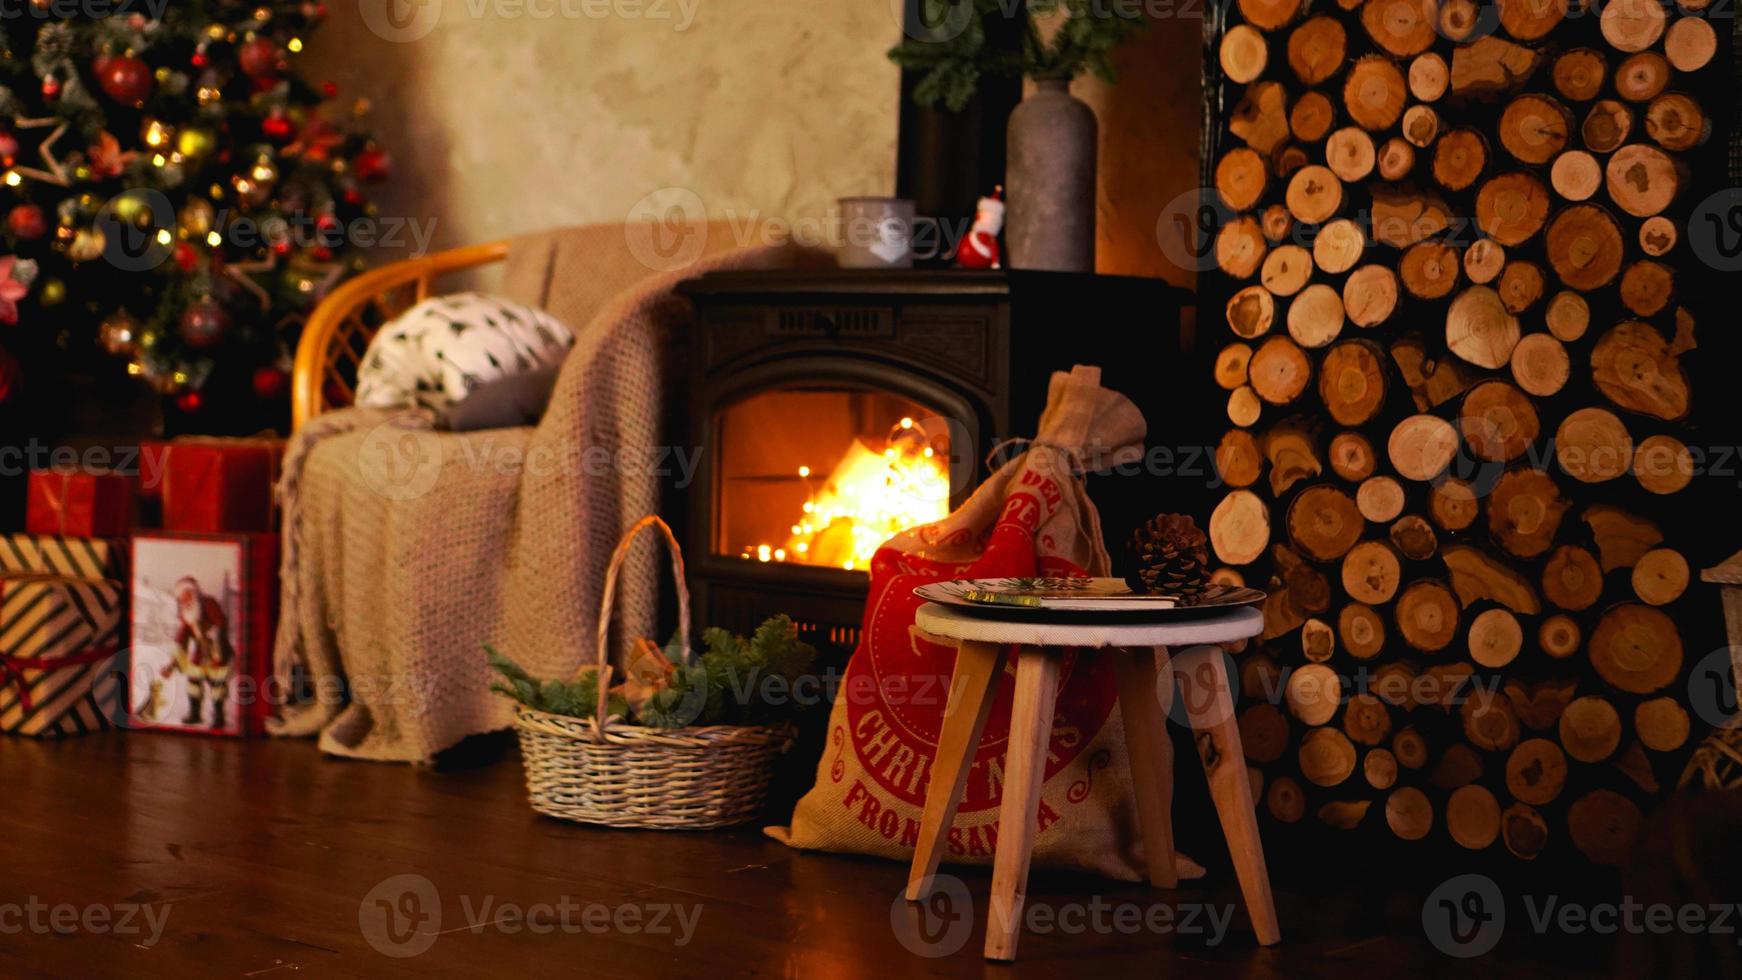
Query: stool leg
[1203, 680]
[1145, 679]
[1037, 684]
[979, 668]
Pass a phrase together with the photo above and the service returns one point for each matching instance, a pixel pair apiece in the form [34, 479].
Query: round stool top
[1033, 630]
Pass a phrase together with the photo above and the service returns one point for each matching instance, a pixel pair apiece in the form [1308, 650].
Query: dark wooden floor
[265, 859]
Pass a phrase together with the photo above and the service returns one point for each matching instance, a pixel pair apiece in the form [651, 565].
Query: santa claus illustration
[203, 653]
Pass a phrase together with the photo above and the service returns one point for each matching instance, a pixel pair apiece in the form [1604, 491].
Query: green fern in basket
[578, 698]
[735, 681]
[753, 679]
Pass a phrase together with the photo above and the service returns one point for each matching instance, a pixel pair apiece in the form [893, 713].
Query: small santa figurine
[980, 249]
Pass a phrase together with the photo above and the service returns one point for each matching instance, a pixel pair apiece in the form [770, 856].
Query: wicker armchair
[340, 327]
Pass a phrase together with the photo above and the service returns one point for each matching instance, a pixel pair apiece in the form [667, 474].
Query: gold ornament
[195, 142]
[196, 218]
[118, 334]
[54, 293]
[131, 208]
[87, 245]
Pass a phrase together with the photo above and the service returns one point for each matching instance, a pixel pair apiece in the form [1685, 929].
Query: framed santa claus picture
[204, 609]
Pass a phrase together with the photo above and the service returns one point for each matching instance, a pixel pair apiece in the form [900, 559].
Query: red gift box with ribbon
[79, 503]
[215, 485]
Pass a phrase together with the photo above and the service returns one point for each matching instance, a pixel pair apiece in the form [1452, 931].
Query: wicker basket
[1717, 763]
[600, 770]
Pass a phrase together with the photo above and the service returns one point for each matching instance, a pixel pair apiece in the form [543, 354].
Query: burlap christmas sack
[1031, 517]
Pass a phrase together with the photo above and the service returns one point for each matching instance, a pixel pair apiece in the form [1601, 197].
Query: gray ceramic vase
[1050, 181]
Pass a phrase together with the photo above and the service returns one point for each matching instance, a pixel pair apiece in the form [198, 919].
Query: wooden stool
[1145, 678]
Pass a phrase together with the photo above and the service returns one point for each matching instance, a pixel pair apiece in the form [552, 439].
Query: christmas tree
[174, 194]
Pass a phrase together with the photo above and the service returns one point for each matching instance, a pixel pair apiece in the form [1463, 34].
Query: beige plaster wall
[506, 116]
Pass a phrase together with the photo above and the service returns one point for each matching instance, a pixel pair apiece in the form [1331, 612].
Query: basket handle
[618, 557]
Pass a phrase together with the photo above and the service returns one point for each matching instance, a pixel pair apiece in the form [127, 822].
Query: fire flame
[868, 498]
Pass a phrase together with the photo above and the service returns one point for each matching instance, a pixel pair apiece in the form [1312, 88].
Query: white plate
[1085, 595]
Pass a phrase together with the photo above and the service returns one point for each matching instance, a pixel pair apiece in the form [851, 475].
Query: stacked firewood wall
[1449, 233]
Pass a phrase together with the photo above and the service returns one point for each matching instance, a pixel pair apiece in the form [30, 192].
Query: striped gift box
[44, 554]
[59, 639]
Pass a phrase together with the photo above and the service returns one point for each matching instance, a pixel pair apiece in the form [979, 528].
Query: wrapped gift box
[80, 503]
[153, 456]
[204, 611]
[47, 554]
[61, 666]
[212, 486]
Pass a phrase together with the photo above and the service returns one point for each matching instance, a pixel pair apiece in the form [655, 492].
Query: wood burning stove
[834, 408]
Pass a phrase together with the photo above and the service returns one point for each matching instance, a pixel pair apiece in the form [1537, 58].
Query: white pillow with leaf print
[441, 350]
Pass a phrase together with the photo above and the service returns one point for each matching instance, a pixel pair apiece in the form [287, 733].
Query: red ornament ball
[51, 88]
[186, 258]
[271, 382]
[26, 222]
[372, 164]
[259, 58]
[204, 323]
[125, 78]
[190, 402]
[278, 128]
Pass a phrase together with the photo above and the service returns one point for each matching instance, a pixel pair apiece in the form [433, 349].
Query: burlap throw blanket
[407, 549]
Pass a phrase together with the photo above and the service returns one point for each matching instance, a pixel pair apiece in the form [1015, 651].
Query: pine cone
[1170, 558]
